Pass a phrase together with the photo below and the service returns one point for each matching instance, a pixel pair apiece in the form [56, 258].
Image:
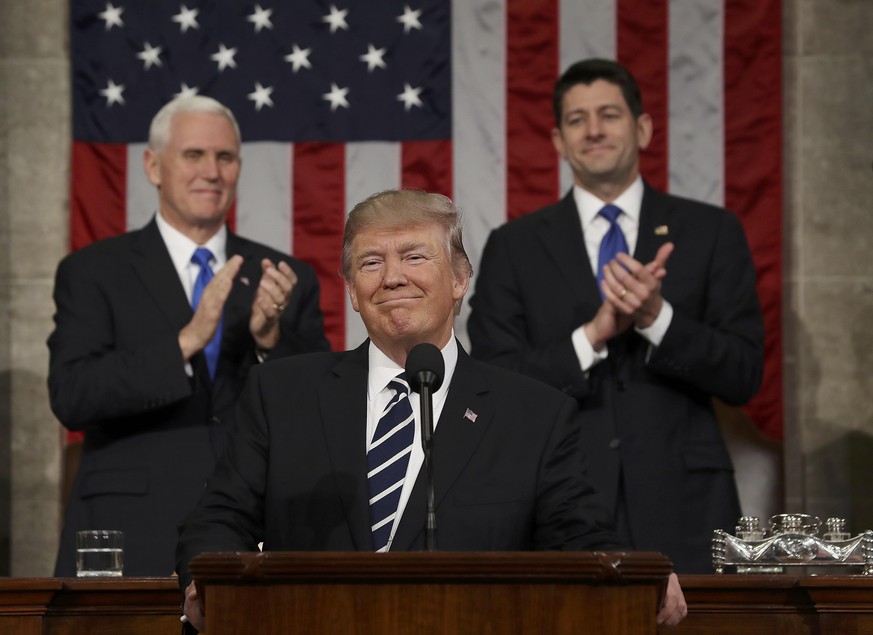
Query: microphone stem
[427, 445]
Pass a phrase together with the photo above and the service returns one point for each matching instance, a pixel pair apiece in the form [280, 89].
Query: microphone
[424, 371]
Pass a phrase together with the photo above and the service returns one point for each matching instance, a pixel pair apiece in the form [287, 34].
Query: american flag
[337, 99]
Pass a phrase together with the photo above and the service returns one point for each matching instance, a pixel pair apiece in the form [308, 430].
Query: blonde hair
[402, 208]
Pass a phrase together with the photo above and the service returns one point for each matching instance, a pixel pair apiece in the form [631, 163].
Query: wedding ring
[622, 293]
[278, 307]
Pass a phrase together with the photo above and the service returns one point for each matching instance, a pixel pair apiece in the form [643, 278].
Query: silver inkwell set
[793, 540]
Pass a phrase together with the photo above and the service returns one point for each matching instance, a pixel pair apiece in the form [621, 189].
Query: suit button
[614, 444]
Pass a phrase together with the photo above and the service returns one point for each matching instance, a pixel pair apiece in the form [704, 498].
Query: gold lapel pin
[661, 230]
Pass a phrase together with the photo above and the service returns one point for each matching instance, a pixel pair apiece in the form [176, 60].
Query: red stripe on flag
[532, 178]
[427, 165]
[319, 218]
[753, 172]
[642, 43]
[98, 189]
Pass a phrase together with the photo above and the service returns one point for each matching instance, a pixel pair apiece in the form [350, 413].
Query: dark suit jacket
[152, 433]
[645, 412]
[295, 472]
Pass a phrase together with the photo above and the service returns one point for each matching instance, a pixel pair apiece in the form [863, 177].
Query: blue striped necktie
[388, 459]
[612, 244]
[201, 257]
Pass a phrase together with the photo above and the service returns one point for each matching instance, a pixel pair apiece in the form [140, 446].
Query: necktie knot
[202, 257]
[610, 212]
[400, 384]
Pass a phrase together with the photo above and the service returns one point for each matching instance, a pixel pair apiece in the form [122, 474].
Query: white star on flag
[186, 18]
[112, 92]
[336, 19]
[224, 57]
[373, 57]
[409, 19]
[299, 58]
[112, 16]
[409, 97]
[261, 18]
[186, 91]
[261, 96]
[337, 97]
[150, 55]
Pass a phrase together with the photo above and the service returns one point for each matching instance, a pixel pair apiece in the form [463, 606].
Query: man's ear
[558, 142]
[152, 167]
[645, 128]
[350, 289]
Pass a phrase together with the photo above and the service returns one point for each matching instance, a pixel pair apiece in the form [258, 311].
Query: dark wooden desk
[431, 593]
[104, 606]
[719, 605]
[776, 605]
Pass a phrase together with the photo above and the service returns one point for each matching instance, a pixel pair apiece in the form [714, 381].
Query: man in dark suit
[131, 361]
[643, 351]
[299, 473]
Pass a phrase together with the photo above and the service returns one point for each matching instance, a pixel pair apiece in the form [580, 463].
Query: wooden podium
[431, 592]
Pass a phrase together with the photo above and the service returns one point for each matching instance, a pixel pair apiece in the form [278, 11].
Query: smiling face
[600, 138]
[402, 283]
[196, 172]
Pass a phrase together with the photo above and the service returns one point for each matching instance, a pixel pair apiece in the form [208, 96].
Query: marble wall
[34, 156]
[828, 281]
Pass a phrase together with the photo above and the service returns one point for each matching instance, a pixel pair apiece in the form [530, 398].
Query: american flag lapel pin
[661, 230]
[245, 280]
[470, 415]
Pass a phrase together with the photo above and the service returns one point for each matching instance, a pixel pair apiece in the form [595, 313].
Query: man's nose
[394, 273]
[595, 129]
[209, 167]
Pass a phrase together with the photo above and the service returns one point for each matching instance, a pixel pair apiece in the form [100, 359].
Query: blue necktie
[388, 459]
[201, 257]
[613, 242]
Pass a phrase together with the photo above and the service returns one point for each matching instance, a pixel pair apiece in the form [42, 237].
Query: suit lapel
[563, 239]
[655, 229]
[153, 265]
[344, 415]
[455, 440]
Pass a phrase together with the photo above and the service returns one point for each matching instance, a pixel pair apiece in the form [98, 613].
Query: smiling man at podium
[327, 454]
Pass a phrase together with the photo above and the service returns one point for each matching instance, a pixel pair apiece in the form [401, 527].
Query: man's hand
[673, 610]
[194, 609]
[195, 335]
[274, 290]
[624, 307]
[634, 289]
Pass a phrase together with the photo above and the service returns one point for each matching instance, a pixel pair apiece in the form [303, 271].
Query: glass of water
[99, 552]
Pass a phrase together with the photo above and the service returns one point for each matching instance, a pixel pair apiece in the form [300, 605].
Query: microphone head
[425, 366]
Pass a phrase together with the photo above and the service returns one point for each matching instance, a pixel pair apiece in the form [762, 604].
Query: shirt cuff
[655, 333]
[585, 353]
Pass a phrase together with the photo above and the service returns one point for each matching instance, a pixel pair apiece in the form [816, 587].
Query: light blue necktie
[613, 242]
[388, 459]
[201, 257]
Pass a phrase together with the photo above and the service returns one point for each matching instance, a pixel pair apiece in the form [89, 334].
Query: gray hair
[159, 131]
[399, 208]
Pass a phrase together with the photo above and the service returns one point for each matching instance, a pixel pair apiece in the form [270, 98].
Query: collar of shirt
[594, 226]
[181, 249]
[382, 370]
